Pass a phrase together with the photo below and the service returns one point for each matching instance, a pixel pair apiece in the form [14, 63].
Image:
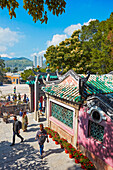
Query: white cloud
[5, 55]
[34, 54]
[69, 30]
[87, 23]
[57, 38]
[8, 38]
[41, 53]
[12, 54]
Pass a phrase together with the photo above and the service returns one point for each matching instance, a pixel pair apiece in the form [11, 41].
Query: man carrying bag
[41, 136]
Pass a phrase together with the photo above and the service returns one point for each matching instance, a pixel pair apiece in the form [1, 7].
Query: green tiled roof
[51, 76]
[30, 82]
[98, 86]
[40, 77]
[70, 93]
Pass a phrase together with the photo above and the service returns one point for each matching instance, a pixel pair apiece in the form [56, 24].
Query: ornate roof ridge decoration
[69, 73]
[111, 72]
[82, 85]
[59, 73]
[106, 103]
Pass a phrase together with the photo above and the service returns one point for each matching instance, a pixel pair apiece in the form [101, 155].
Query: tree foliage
[26, 74]
[89, 49]
[67, 54]
[35, 8]
[97, 45]
[2, 71]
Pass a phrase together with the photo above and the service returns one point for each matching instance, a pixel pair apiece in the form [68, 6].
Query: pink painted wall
[69, 81]
[103, 150]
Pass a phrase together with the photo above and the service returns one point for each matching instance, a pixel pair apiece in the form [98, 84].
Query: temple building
[80, 109]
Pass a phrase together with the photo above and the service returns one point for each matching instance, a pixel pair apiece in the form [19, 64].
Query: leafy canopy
[90, 48]
[35, 8]
[67, 54]
[2, 70]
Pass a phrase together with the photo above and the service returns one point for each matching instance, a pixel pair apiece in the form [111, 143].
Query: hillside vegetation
[21, 63]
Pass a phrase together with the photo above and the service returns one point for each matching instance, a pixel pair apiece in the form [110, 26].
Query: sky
[21, 37]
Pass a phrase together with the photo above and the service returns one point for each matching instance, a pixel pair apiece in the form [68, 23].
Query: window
[62, 114]
[13, 80]
[96, 116]
[96, 131]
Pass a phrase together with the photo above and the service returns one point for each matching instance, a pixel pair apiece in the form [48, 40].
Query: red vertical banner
[41, 100]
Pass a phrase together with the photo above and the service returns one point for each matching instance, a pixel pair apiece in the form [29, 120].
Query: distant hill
[5, 58]
[21, 63]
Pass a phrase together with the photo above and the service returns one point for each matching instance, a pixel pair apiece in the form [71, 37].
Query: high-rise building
[41, 61]
[38, 60]
[35, 61]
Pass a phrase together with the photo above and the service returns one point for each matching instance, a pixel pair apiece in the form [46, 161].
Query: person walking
[24, 122]
[16, 130]
[39, 107]
[14, 89]
[8, 98]
[24, 98]
[19, 97]
[41, 136]
[21, 113]
[27, 99]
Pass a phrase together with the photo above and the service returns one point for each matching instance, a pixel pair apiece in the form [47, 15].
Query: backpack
[19, 125]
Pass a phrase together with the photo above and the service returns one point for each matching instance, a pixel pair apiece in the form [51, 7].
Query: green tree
[35, 8]
[2, 72]
[15, 70]
[26, 74]
[7, 69]
[97, 45]
[67, 54]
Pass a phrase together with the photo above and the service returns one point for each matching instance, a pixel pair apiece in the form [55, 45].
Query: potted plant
[84, 159]
[71, 152]
[77, 157]
[56, 138]
[89, 165]
[48, 131]
[62, 141]
[66, 146]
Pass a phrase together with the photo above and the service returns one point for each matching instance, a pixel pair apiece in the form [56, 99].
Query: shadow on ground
[20, 156]
[33, 129]
[33, 125]
[51, 151]
[30, 140]
[42, 119]
[74, 168]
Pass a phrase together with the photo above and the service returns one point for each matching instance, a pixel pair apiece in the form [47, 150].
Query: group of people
[18, 97]
[41, 135]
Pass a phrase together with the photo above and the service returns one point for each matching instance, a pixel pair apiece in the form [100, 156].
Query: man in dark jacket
[16, 130]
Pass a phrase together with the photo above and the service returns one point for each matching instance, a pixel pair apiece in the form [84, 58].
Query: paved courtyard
[25, 156]
[20, 88]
